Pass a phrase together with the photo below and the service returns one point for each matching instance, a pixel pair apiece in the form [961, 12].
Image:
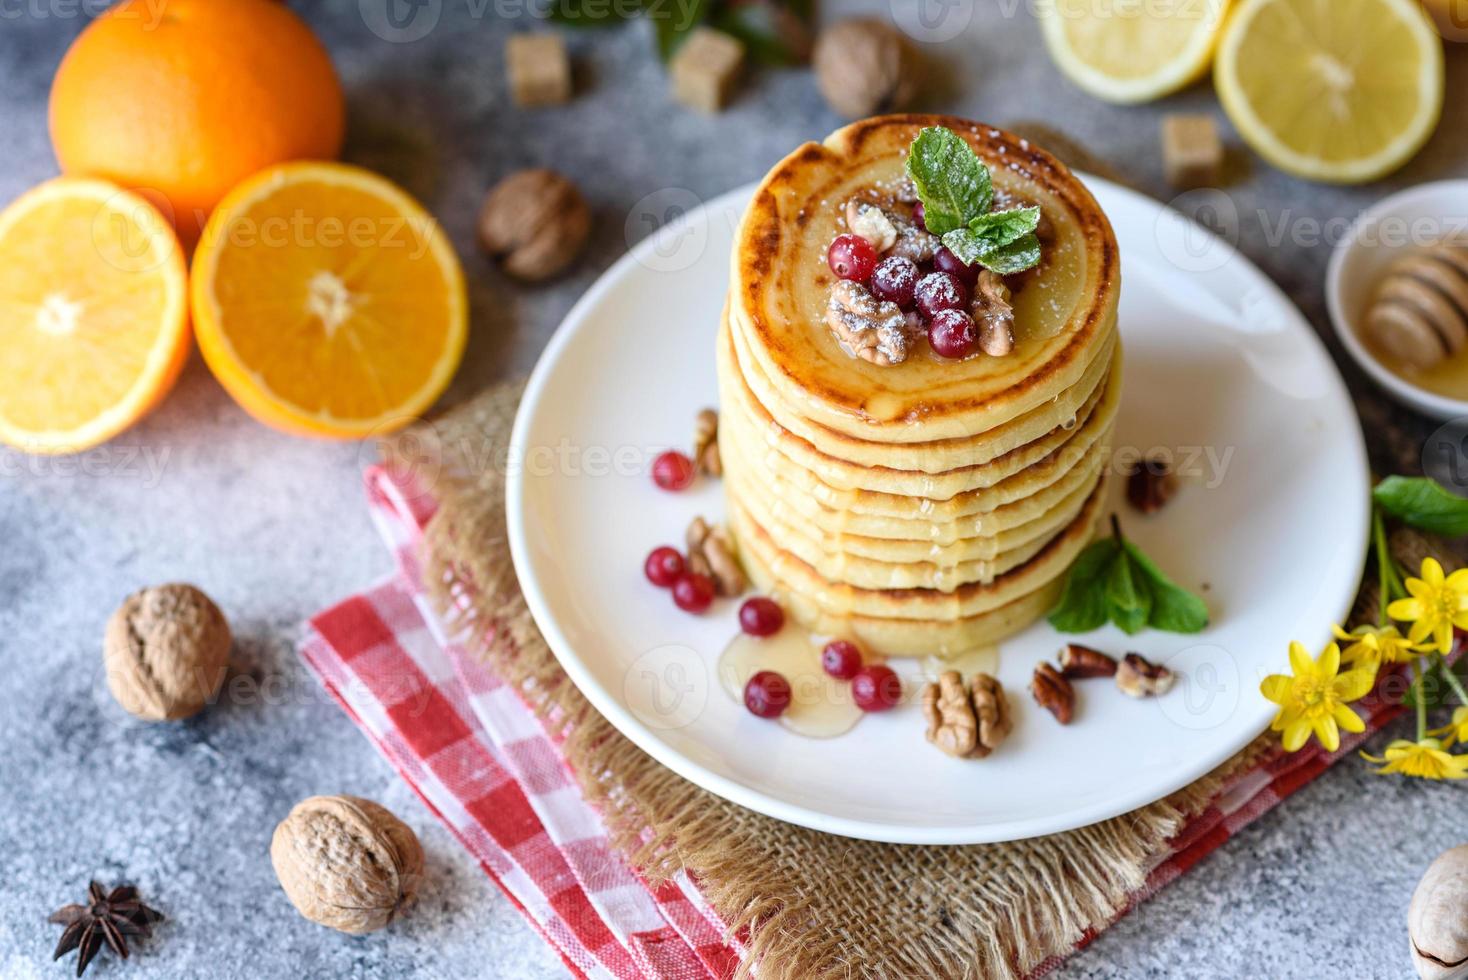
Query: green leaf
[1114, 580]
[594, 13]
[1015, 257]
[1004, 227]
[951, 180]
[1129, 595]
[774, 33]
[1083, 605]
[1435, 692]
[673, 22]
[1174, 609]
[1423, 504]
[1000, 240]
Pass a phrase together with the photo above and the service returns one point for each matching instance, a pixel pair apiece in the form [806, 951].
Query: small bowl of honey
[1397, 291]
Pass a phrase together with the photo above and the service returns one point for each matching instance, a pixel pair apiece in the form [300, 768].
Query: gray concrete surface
[275, 529]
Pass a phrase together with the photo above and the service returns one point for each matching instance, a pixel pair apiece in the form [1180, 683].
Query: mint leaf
[951, 180]
[1174, 609]
[1016, 257]
[1114, 581]
[1004, 227]
[1000, 240]
[1423, 504]
[1082, 606]
[1128, 595]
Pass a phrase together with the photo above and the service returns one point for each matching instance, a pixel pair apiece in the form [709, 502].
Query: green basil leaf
[1174, 609]
[1082, 606]
[1423, 504]
[1129, 595]
[952, 182]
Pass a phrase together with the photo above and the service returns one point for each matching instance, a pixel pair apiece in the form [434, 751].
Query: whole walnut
[346, 862]
[166, 651]
[865, 66]
[535, 223]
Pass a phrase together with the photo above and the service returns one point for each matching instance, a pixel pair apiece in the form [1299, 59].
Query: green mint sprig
[1114, 581]
[957, 193]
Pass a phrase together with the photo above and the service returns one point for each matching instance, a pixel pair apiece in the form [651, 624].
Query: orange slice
[93, 314]
[328, 302]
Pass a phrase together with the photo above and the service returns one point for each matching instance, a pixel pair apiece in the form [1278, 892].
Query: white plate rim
[607, 704]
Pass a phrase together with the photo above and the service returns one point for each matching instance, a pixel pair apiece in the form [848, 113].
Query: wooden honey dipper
[1419, 314]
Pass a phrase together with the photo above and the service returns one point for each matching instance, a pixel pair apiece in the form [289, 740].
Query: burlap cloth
[814, 905]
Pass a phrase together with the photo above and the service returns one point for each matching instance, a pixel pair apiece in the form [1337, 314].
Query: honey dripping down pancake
[920, 504]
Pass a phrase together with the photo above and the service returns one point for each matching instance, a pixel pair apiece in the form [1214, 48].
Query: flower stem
[1378, 537]
[1447, 671]
[1421, 685]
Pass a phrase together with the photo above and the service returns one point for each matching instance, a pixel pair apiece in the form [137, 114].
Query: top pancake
[1063, 310]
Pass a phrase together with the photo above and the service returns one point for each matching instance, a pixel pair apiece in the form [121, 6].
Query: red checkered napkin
[486, 767]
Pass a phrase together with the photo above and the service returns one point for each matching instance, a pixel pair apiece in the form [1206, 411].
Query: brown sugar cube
[705, 68]
[540, 70]
[1192, 153]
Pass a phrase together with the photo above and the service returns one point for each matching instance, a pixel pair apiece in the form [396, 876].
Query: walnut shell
[535, 223]
[865, 66]
[1437, 920]
[346, 862]
[166, 651]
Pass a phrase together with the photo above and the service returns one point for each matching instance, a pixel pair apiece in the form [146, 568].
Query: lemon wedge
[1132, 50]
[1343, 91]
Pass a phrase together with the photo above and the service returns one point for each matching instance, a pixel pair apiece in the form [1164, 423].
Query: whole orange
[182, 100]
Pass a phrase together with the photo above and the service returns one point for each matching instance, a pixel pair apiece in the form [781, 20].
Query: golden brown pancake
[931, 505]
[780, 286]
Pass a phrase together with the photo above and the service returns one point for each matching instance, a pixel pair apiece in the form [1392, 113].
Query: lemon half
[1343, 91]
[1132, 50]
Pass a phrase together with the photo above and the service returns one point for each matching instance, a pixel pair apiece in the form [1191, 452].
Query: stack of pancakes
[932, 506]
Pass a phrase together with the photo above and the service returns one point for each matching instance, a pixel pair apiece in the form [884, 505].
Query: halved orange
[328, 302]
[93, 314]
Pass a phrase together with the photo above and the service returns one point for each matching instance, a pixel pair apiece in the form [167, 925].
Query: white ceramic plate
[1221, 370]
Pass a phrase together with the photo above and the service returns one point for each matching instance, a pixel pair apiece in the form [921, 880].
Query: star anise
[107, 917]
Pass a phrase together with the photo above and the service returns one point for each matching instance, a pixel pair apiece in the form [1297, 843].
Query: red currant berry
[761, 617]
[693, 592]
[876, 688]
[852, 257]
[940, 291]
[672, 471]
[894, 280]
[663, 566]
[946, 261]
[841, 658]
[767, 694]
[953, 333]
[920, 215]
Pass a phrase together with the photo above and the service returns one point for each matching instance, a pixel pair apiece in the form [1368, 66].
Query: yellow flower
[1314, 699]
[1425, 760]
[1457, 731]
[1368, 647]
[1437, 605]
